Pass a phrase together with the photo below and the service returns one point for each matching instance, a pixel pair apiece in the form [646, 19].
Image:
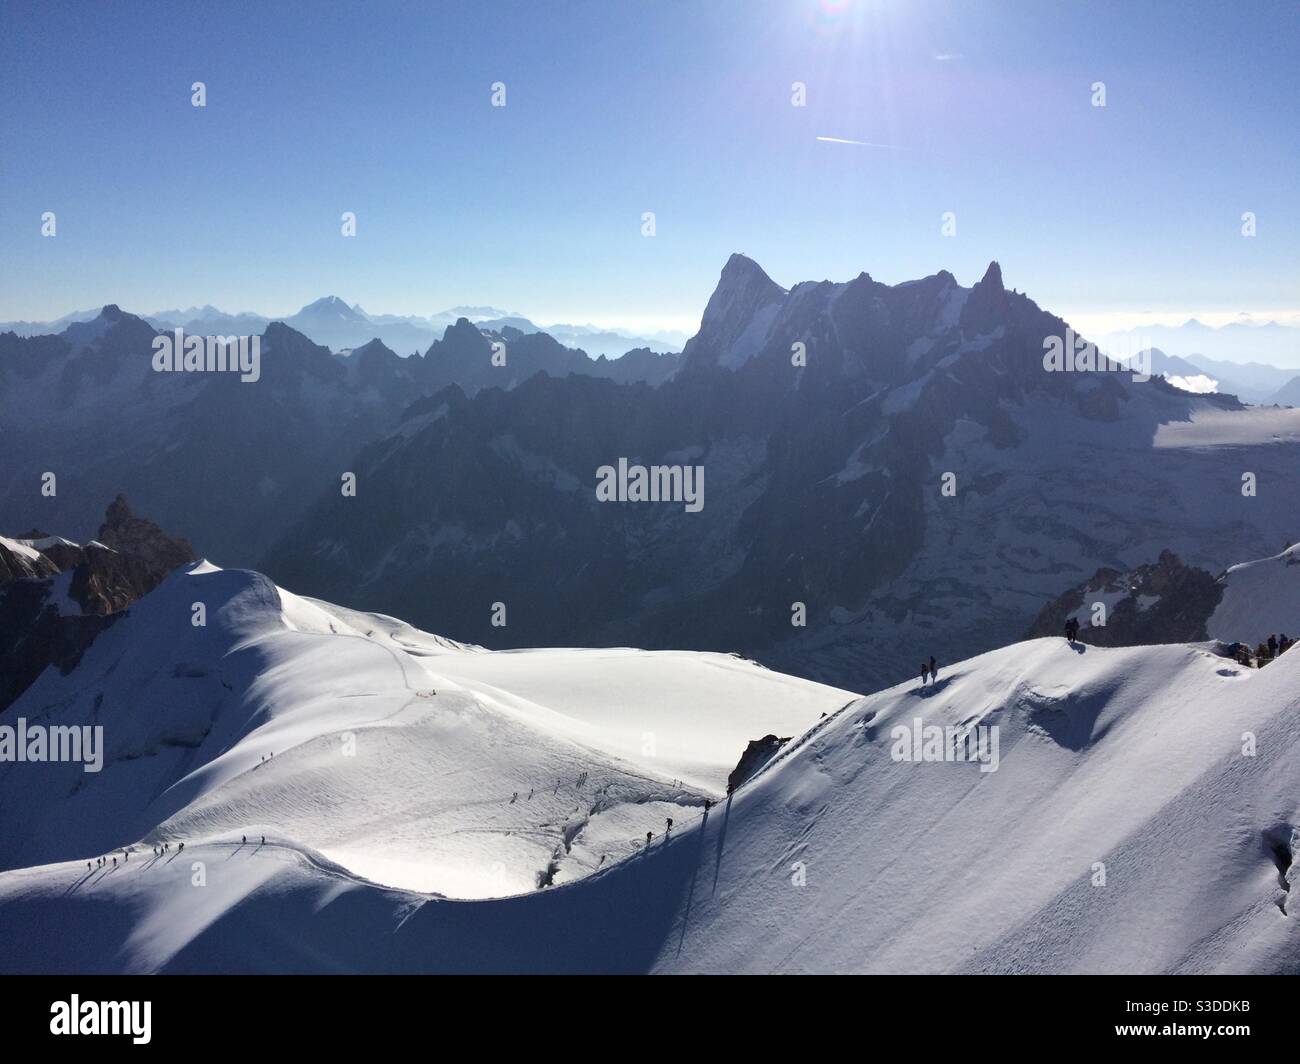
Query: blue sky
[621, 107]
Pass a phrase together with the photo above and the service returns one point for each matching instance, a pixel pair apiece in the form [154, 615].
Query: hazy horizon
[1088, 324]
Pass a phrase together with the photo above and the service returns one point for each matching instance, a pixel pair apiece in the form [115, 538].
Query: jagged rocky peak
[131, 557]
[744, 282]
[728, 335]
[462, 339]
[285, 340]
[127, 533]
[988, 305]
[740, 266]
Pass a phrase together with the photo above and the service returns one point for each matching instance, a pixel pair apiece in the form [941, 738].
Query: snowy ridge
[410, 759]
[1260, 598]
[1125, 828]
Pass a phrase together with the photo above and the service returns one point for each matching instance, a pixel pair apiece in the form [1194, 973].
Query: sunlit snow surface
[411, 759]
[1136, 821]
[1260, 598]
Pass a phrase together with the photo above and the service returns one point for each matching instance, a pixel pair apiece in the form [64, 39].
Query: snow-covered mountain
[1184, 374]
[1221, 350]
[1260, 598]
[229, 464]
[1121, 810]
[46, 328]
[1163, 601]
[409, 759]
[922, 485]
[222, 462]
[329, 321]
[1252, 382]
[825, 487]
[333, 323]
[609, 344]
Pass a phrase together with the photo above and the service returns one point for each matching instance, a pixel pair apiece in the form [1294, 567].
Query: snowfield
[1142, 816]
[410, 759]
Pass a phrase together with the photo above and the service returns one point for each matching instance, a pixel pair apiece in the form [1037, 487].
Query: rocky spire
[988, 305]
[126, 533]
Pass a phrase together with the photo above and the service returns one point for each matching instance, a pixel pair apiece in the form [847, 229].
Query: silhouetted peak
[993, 277]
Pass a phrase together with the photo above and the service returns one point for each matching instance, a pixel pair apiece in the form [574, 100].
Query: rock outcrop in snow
[138, 537]
[757, 754]
[1169, 602]
[1163, 602]
[56, 596]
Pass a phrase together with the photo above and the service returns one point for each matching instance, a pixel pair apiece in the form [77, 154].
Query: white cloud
[1200, 383]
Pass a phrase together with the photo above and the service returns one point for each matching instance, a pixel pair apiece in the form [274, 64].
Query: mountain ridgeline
[893, 466]
[231, 464]
[824, 486]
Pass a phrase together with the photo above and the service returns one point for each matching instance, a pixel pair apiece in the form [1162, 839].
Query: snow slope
[1142, 818]
[407, 758]
[1260, 598]
[21, 547]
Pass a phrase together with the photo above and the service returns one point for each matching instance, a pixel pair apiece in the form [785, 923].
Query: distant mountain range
[823, 487]
[1252, 382]
[893, 463]
[231, 462]
[1233, 351]
[330, 321]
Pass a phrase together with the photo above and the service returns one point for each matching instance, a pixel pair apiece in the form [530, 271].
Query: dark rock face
[33, 635]
[132, 557]
[757, 754]
[1164, 602]
[107, 581]
[140, 538]
[63, 554]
